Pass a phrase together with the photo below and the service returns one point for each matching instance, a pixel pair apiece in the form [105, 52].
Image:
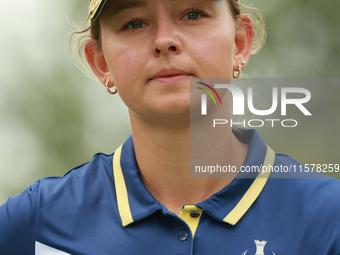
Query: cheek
[124, 63]
[126, 67]
[215, 52]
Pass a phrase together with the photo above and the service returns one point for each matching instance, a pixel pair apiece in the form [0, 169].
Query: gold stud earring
[106, 84]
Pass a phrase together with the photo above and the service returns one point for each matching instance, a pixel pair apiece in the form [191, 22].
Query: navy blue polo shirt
[102, 208]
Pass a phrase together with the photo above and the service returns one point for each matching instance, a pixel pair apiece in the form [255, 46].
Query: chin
[172, 115]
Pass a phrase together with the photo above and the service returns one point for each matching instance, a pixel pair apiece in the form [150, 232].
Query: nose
[166, 39]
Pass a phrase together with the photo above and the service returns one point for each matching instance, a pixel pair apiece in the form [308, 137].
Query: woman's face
[151, 48]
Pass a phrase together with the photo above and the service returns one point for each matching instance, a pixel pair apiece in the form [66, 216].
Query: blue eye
[193, 15]
[135, 24]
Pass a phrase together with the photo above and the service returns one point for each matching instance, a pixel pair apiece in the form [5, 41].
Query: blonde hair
[79, 38]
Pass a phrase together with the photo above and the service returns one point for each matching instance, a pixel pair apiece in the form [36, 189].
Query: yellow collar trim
[121, 191]
[253, 192]
[232, 218]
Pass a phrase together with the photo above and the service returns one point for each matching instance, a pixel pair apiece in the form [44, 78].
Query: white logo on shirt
[259, 248]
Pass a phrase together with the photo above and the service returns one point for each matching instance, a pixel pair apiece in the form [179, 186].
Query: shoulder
[88, 175]
[303, 182]
[79, 190]
[309, 200]
[17, 222]
[47, 200]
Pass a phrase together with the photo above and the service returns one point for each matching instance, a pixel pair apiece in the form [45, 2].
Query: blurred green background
[53, 117]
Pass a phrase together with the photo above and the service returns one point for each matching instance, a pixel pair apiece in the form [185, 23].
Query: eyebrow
[129, 5]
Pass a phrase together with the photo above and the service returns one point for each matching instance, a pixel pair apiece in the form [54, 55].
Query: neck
[163, 154]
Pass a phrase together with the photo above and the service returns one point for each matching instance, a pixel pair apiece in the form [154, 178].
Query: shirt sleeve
[18, 222]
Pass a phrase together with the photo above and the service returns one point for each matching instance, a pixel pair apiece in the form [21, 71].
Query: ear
[95, 58]
[244, 38]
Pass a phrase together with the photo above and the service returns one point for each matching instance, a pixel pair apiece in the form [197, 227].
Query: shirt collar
[135, 202]
[231, 203]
